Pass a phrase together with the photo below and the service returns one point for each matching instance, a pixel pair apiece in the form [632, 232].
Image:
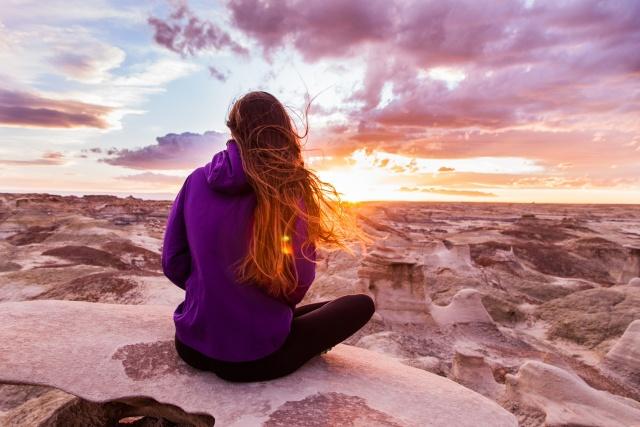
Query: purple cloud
[27, 109]
[172, 151]
[217, 74]
[522, 65]
[184, 33]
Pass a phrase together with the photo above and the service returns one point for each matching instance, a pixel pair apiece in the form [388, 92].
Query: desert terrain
[535, 306]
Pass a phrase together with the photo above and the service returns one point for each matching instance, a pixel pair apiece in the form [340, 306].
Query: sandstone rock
[623, 360]
[566, 399]
[9, 266]
[34, 234]
[465, 307]
[445, 255]
[108, 353]
[87, 255]
[471, 370]
[45, 411]
[12, 395]
[428, 363]
[382, 342]
[592, 316]
[635, 282]
[97, 287]
[395, 279]
[502, 311]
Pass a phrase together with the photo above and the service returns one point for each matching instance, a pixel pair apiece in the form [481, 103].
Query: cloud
[154, 178]
[70, 51]
[172, 151]
[51, 158]
[449, 192]
[74, 62]
[500, 65]
[446, 169]
[95, 150]
[184, 33]
[217, 74]
[90, 64]
[32, 110]
[328, 28]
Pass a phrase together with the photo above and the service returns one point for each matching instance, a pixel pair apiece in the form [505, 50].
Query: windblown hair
[286, 190]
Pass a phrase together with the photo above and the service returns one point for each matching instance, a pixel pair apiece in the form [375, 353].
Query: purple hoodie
[208, 229]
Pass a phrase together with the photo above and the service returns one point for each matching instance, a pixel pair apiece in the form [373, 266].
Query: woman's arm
[176, 258]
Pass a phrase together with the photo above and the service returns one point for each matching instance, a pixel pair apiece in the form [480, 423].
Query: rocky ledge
[120, 362]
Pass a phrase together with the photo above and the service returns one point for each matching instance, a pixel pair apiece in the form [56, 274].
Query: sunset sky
[503, 101]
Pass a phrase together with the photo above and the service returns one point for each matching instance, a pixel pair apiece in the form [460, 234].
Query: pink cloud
[51, 158]
[28, 109]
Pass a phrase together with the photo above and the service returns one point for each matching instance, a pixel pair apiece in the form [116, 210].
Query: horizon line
[170, 198]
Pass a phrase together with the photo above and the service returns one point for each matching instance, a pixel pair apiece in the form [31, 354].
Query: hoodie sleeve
[305, 263]
[176, 258]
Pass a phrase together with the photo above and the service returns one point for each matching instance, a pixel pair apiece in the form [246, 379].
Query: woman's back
[208, 230]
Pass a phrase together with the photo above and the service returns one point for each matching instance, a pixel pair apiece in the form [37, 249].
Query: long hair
[285, 190]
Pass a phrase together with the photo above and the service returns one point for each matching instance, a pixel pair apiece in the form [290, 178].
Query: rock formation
[623, 360]
[395, 279]
[593, 316]
[471, 370]
[566, 399]
[121, 361]
[465, 307]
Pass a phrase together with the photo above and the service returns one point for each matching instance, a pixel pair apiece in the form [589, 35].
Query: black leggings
[315, 328]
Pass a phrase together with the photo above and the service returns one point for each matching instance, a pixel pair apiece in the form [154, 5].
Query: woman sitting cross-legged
[241, 241]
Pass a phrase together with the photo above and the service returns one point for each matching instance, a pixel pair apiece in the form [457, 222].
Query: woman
[240, 240]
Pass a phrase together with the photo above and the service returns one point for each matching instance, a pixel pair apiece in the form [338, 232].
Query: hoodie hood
[225, 172]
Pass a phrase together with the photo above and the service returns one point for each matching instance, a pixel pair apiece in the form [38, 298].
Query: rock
[34, 234]
[592, 316]
[635, 282]
[556, 260]
[107, 353]
[396, 281]
[465, 307]
[623, 360]
[51, 409]
[134, 255]
[566, 399]
[98, 287]
[471, 370]
[445, 255]
[87, 255]
[428, 363]
[502, 311]
[382, 342]
[12, 395]
[9, 266]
